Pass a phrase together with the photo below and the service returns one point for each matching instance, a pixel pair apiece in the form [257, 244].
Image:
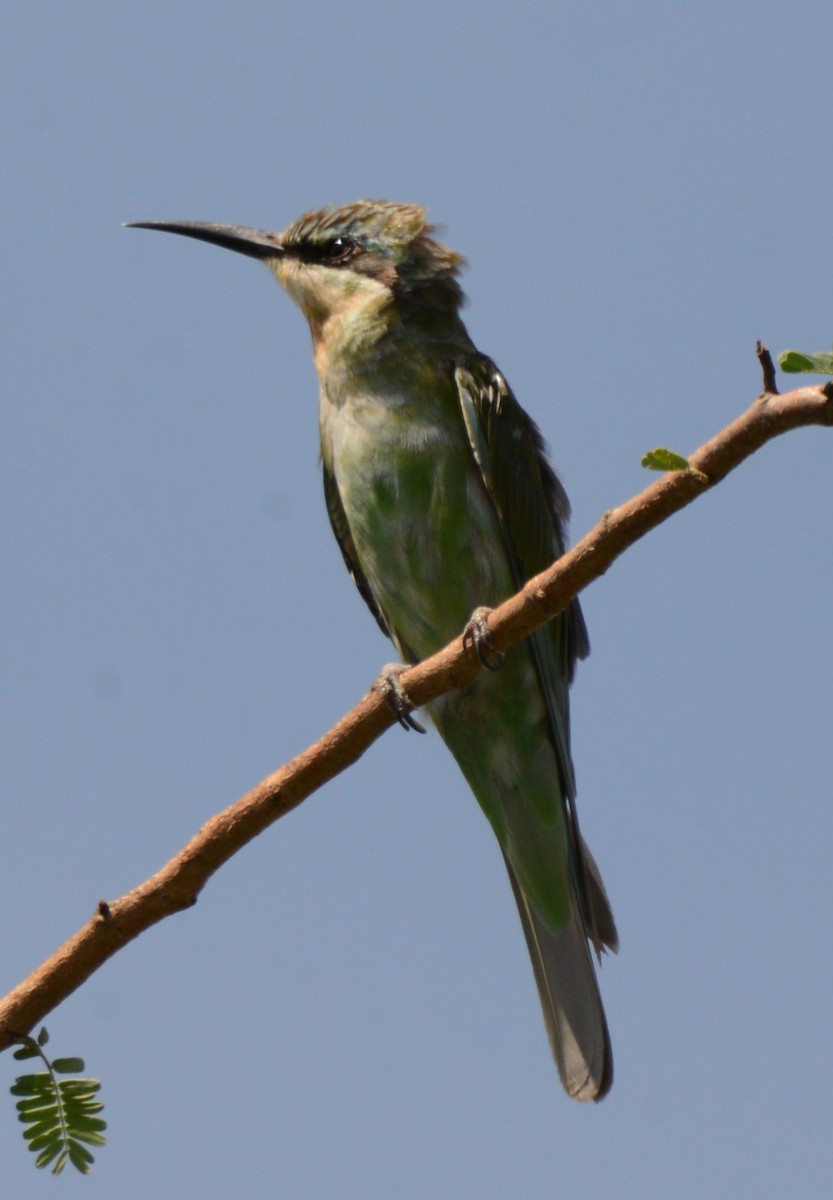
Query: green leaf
[666, 460]
[80, 1156]
[66, 1066]
[93, 1139]
[35, 1104]
[44, 1125]
[52, 1115]
[78, 1088]
[25, 1052]
[816, 364]
[46, 1139]
[26, 1085]
[76, 1107]
[43, 1036]
[86, 1107]
[82, 1121]
[44, 1159]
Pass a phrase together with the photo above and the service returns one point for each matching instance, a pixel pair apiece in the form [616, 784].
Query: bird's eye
[331, 253]
[337, 249]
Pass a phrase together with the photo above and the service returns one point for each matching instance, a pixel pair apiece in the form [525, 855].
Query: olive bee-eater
[442, 500]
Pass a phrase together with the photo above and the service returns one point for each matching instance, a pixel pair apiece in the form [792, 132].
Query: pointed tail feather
[570, 999]
[601, 927]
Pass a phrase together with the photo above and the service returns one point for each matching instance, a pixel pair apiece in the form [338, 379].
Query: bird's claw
[390, 687]
[477, 632]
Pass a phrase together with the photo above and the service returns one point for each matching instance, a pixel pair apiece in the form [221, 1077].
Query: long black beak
[257, 243]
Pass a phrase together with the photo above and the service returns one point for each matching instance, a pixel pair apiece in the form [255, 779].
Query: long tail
[566, 979]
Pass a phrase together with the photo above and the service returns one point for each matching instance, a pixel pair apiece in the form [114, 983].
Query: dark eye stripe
[333, 252]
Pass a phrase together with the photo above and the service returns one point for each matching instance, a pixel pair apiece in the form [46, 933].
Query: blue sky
[642, 190]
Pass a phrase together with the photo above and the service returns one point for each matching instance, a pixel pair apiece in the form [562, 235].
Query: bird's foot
[477, 632]
[396, 698]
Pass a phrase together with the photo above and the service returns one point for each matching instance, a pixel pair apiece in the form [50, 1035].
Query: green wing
[338, 521]
[533, 510]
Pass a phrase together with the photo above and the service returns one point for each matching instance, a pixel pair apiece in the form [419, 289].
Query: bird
[443, 501]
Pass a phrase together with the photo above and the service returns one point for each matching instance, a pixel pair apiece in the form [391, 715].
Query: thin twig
[768, 369]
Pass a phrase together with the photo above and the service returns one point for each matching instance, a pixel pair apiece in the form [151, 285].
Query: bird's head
[361, 263]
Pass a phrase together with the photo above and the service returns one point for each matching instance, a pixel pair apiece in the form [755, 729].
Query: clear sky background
[642, 189]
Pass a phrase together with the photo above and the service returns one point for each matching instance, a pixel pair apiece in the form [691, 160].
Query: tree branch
[177, 885]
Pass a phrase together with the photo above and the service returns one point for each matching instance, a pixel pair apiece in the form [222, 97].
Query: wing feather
[341, 529]
[533, 510]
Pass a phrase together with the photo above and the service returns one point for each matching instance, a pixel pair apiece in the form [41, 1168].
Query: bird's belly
[425, 532]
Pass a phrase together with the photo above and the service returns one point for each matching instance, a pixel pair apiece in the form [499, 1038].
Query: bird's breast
[424, 530]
